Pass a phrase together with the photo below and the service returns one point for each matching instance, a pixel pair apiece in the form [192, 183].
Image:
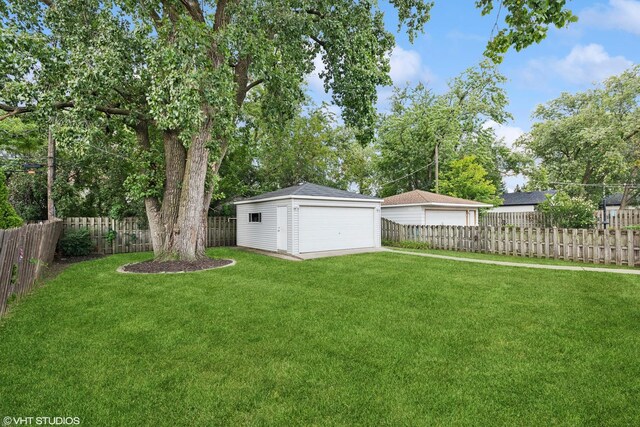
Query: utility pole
[51, 175]
[604, 207]
[437, 169]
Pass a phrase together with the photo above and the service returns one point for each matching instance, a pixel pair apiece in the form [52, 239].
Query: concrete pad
[326, 254]
[312, 255]
[271, 254]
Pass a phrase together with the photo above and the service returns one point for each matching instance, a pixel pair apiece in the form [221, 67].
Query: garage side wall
[407, 215]
[262, 235]
[298, 203]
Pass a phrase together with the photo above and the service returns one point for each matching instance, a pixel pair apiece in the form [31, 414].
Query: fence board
[111, 236]
[614, 219]
[23, 253]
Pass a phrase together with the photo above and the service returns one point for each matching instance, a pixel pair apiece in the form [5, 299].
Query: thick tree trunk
[190, 215]
[178, 223]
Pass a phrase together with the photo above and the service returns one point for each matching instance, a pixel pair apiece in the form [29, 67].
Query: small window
[255, 217]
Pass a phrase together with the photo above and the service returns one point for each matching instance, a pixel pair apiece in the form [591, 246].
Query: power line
[596, 185]
[409, 174]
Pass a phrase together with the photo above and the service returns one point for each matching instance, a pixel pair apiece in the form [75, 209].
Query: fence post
[607, 246]
[618, 237]
[631, 253]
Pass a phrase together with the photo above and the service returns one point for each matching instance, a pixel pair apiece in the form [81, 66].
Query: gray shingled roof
[616, 199]
[526, 197]
[308, 189]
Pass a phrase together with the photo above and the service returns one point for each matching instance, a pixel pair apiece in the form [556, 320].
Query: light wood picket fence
[24, 252]
[596, 246]
[111, 236]
[615, 219]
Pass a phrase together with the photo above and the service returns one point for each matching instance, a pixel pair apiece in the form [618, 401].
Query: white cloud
[407, 67]
[583, 65]
[509, 134]
[313, 79]
[618, 14]
[511, 181]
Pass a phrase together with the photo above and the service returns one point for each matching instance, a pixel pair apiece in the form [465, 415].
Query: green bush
[407, 244]
[564, 211]
[632, 227]
[76, 243]
[8, 216]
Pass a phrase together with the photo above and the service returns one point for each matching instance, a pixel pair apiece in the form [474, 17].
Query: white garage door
[333, 228]
[434, 217]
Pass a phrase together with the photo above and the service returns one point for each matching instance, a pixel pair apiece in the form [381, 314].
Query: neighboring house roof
[616, 200]
[420, 197]
[520, 198]
[308, 190]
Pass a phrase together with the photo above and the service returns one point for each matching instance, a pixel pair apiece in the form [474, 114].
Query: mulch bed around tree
[174, 266]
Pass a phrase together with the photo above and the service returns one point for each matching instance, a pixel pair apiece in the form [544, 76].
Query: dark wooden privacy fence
[24, 252]
[112, 236]
[611, 246]
[615, 219]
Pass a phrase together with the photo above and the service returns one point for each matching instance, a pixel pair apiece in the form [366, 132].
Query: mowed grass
[511, 258]
[361, 340]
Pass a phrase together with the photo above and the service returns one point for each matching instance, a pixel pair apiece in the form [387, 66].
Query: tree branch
[59, 106]
[193, 7]
[220, 20]
[157, 20]
[320, 42]
[254, 84]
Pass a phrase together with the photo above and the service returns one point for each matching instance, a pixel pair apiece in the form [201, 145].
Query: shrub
[565, 211]
[8, 216]
[632, 227]
[406, 244]
[76, 243]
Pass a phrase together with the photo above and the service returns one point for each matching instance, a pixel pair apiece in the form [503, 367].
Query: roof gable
[420, 197]
[520, 198]
[308, 189]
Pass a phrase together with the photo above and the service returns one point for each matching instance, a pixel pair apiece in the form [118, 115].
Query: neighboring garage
[419, 207]
[308, 218]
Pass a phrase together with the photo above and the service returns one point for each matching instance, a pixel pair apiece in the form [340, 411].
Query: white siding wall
[262, 235]
[415, 215]
[408, 215]
[297, 203]
[522, 208]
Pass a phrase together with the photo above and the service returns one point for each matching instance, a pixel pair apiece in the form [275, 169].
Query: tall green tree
[178, 72]
[313, 147]
[467, 179]
[452, 125]
[589, 138]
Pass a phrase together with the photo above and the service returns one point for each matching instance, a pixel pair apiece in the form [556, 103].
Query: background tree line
[578, 142]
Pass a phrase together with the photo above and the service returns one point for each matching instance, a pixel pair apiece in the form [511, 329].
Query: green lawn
[511, 258]
[368, 339]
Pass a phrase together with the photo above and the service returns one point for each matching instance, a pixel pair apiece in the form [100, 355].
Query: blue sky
[604, 42]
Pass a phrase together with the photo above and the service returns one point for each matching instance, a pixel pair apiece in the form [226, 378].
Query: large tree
[179, 71]
[423, 127]
[585, 140]
[467, 179]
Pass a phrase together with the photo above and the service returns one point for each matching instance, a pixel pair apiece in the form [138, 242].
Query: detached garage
[308, 218]
[419, 207]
